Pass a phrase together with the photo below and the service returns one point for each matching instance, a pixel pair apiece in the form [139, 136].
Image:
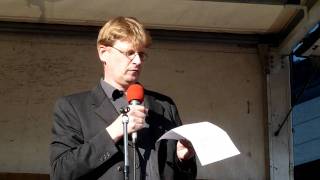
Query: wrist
[114, 133]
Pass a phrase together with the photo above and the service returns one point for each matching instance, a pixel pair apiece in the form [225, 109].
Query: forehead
[127, 45]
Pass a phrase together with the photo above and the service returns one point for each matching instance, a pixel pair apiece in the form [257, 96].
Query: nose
[137, 59]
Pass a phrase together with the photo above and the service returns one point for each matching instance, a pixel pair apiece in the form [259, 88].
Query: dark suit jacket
[81, 148]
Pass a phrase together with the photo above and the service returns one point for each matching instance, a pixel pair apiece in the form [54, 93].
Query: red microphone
[135, 96]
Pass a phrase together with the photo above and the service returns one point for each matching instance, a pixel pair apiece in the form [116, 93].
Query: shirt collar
[111, 92]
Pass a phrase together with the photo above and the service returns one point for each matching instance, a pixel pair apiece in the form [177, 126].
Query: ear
[103, 52]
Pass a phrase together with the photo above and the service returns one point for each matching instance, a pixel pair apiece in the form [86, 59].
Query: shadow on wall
[23, 176]
[28, 176]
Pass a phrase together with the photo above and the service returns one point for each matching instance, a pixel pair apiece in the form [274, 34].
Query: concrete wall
[220, 83]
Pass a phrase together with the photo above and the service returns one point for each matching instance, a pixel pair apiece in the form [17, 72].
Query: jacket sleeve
[70, 155]
[186, 169]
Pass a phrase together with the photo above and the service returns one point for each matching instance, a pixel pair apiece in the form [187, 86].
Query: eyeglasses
[131, 54]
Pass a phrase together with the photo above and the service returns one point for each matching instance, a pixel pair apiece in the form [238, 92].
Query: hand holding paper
[210, 142]
[184, 149]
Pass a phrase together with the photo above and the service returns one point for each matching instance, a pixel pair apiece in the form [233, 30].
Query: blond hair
[124, 28]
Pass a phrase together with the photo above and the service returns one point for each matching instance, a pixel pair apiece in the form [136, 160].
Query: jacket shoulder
[77, 96]
[159, 97]
[76, 99]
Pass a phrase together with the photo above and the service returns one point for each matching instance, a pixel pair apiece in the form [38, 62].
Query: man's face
[123, 64]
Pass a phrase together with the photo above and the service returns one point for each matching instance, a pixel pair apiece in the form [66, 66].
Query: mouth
[134, 70]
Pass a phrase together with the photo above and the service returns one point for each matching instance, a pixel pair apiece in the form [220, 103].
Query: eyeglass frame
[142, 55]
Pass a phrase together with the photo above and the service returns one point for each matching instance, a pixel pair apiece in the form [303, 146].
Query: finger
[185, 143]
[137, 114]
[137, 107]
[135, 124]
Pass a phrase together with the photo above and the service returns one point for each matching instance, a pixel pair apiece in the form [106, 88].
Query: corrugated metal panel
[306, 124]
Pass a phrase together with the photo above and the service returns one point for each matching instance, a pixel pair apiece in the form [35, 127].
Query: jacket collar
[102, 105]
[151, 103]
[105, 109]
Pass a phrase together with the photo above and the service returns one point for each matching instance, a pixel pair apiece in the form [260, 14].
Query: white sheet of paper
[210, 142]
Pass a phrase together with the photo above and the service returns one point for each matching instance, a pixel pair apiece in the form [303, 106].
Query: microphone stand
[125, 121]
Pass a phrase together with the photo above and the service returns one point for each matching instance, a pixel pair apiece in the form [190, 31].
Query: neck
[117, 85]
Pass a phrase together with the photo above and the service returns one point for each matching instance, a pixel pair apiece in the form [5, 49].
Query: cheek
[119, 68]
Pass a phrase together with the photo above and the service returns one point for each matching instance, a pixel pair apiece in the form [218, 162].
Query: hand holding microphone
[136, 114]
[135, 97]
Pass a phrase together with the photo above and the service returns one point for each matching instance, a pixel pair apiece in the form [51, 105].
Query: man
[87, 127]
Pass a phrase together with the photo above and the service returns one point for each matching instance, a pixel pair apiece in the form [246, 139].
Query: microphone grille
[135, 92]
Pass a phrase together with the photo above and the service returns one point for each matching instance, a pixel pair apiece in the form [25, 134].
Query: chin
[133, 78]
[132, 81]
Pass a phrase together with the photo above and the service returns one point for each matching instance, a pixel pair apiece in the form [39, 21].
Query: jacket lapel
[102, 105]
[154, 122]
[152, 104]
